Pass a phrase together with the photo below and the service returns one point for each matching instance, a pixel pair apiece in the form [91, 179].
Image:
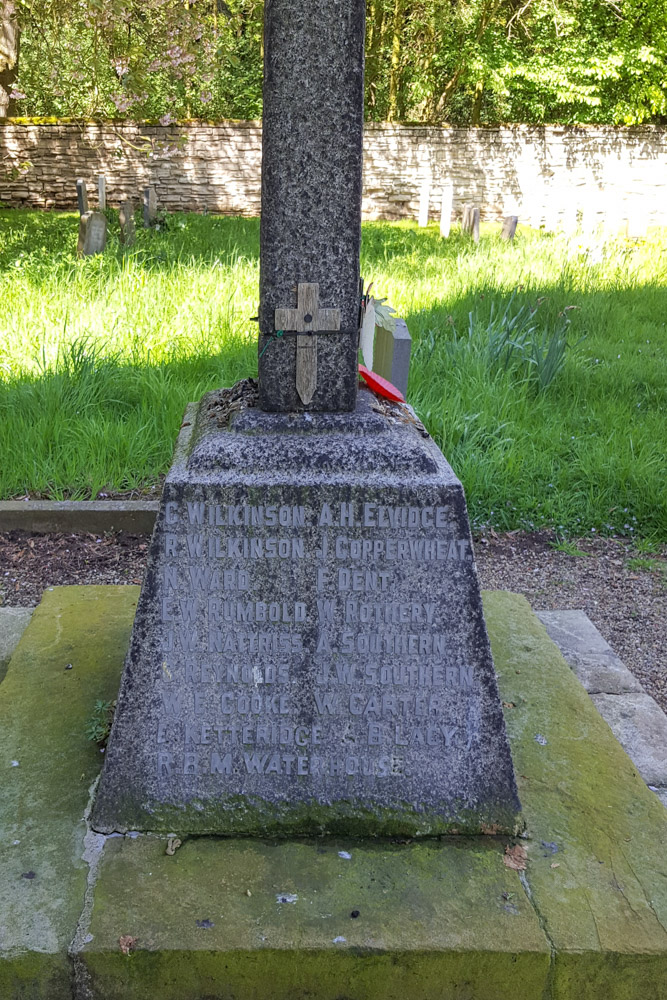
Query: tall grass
[554, 418]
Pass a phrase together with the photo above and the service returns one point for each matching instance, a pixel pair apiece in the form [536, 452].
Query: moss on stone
[255, 817]
[35, 976]
[432, 918]
[48, 766]
[600, 883]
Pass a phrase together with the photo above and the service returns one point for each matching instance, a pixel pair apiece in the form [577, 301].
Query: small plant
[647, 546]
[510, 341]
[569, 548]
[647, 565]
[99, 724]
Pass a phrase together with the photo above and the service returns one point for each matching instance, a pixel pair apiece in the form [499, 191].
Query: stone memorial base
[117, 918]
[309, 653]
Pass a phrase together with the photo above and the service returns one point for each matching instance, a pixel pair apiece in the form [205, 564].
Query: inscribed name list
[236, 697]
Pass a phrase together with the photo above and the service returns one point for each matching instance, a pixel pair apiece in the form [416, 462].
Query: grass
[99, 357]
[569, 548]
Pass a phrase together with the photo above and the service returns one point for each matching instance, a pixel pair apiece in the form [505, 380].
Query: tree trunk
[450, 87]
[395, 75]
[477, 103]
[376, 32]
[487, 13]
[10, 39]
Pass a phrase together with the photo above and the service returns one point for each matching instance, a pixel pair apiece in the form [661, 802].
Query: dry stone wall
[539, 173]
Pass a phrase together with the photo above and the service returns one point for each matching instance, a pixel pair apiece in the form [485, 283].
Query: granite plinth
[309, 653]
[313, 117]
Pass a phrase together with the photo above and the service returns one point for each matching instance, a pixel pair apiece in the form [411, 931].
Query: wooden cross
[307, 319]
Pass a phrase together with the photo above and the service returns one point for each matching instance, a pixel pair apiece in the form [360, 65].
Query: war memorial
[334, 772]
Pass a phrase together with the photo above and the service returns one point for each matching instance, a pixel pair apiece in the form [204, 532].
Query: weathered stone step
[256, 919]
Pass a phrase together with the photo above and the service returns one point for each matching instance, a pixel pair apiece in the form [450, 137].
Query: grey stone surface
[662, 795]
[92, 234]
[313, 116]
[470, 224]
[13, 623]
[128, 231]
[309, 652]
[82, 196]
[44, 516]
[391, 358]
[640, 726]
[150, 207]
[102, 192]
[588, 653]
[508, 231]
[603, 673]
[573, 631]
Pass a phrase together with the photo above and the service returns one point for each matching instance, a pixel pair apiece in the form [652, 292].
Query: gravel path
[622, 591]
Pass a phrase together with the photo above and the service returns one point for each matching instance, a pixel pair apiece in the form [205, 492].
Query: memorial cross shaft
[311, 200]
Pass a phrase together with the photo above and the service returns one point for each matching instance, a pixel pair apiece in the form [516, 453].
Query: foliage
[100, 357]
[462, 61]
[510, 341]
[141, 59]
[98, 726]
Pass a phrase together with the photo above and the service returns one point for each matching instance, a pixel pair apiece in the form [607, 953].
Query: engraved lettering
[346, 515]
[220, 765]
[196, 513]
[194, 544]
[325, 610]
[325, 703]
[171, 512]
[171, 701]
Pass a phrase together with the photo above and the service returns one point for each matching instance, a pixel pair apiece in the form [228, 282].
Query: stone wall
[538, 173]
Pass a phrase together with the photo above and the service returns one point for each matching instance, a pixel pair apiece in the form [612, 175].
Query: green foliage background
[459, 61]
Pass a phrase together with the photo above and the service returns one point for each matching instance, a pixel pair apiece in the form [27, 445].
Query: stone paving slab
[640, 726]
[636, 719]
[47, 765]
[13, 622]
[219, 919]
[589, 654]
[604, 908]
[342, 918]
[96, 516]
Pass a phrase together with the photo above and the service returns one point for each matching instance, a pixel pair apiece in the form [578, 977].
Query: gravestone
[508, 231]
[102, 192]
[446, 210]
[82, 196]
[92, 234]
[470, 223]
[128, 232]
[424, 203]
[150, 207]
[309, 653]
